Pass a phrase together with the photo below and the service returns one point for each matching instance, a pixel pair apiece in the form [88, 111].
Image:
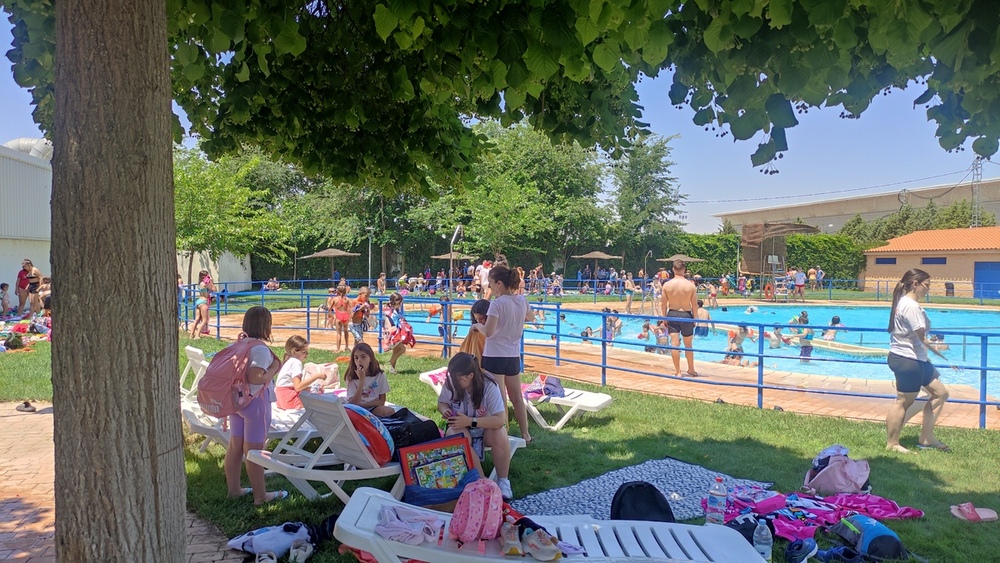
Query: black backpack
[639, 500]
[408, 429]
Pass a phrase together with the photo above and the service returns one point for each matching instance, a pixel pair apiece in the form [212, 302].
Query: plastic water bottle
[762, 540]
[715, 509]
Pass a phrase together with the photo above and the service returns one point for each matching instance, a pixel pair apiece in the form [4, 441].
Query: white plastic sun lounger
[575, 401]
[605, 540]
[341, 457]
[197, 363]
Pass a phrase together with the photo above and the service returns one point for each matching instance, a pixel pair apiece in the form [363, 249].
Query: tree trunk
[190, 265]
[119, 462]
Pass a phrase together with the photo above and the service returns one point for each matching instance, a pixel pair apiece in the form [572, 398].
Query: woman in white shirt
[504, 326]
[908, 346]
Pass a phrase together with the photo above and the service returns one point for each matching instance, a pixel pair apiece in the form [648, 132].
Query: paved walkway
[27, 499]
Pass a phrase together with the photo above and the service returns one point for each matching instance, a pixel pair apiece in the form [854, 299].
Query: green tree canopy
[364, 86]
[645, 197]
[908, 219]
[216, 211]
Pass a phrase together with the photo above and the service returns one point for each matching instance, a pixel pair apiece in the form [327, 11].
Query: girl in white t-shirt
[366, 382]
[908, 346]
[249, 426]
[292, 379]
[470, 399]
[503, 328]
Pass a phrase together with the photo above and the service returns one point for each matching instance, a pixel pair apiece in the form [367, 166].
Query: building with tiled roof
[967, 259]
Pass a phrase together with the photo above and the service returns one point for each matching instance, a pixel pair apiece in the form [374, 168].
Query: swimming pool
[856, 317]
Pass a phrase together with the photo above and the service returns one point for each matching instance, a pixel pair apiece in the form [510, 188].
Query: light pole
[370, 231]
[451, 256]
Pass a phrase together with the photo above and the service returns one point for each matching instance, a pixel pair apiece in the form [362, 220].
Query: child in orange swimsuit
[342, 314]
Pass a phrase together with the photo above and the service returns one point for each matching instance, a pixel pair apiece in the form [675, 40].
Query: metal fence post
[760, 366]
[381, 322]
[604, 352]
[308, 319]
[984, 350]
[558, 330]
[446, 323]
[218, 319]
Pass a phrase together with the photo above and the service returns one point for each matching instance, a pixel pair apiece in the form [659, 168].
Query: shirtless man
[680, 300]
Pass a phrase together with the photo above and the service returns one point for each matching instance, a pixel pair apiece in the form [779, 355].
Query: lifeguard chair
[763, 254]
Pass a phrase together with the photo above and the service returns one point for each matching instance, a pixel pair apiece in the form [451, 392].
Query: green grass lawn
[739, 441]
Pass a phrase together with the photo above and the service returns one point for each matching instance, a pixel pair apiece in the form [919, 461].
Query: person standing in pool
[680, 301]
[908, 347]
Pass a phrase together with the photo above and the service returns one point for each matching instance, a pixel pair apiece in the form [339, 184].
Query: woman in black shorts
[504, 325]
[908, 347]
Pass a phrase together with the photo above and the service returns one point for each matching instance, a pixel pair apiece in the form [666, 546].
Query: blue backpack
[873, 539]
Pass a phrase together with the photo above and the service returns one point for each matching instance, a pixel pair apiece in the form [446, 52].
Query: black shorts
[911, 374]
[806, 351]
[502, 366]
[685, 328]
[33, 287]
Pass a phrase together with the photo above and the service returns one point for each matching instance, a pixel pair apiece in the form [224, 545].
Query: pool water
[712, 347]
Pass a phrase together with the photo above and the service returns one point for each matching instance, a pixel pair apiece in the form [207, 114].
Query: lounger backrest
[327, 414]
[197, 363]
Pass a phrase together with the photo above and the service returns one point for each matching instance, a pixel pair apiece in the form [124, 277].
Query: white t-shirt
[910, 317]
[261, 357]
[510, 311]
[492, 401]
[291, 368]
[800, 278]
[374, 386]
[484, 276]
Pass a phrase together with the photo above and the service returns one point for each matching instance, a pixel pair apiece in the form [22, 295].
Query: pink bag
[478, 514]
[841, 475]
[224, 388]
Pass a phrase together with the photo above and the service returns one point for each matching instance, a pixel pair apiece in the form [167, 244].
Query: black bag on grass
[408, 429]
[639, 500]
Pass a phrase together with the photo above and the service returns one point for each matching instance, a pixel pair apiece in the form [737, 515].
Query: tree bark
[119, 464]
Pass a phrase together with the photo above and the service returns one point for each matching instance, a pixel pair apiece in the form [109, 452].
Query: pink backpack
[841, 475]
[224, 389]
[478, 513]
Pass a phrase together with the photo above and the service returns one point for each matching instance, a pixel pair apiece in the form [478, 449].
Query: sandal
[967, 511]
[276, 496]
[301, 550]
[266, 557]
[940, 446]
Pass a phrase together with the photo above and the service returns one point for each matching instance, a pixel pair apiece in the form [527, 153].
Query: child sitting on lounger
[472, 405]
[292, 378]
[366, 382]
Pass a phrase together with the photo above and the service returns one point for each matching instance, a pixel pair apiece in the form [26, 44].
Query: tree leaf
[824, 12]
[780, 112]
[231, 23]
[290, 41]
[636, 37]
[718, 35]
[514, 98]
[385, 21]
[779, 12]
[587, 29]
[605, 57]
[244, 73]
[985, 146]
[927, 96]
[678, 92]
[764, 154]
[540, 61]
[780, 141]
[704, 116]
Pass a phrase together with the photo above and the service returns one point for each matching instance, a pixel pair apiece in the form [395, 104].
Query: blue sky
[891, 143]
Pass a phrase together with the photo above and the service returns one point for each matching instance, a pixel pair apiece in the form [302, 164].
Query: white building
[26, 218]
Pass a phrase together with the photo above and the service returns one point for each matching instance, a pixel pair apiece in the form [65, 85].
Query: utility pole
[977, 179]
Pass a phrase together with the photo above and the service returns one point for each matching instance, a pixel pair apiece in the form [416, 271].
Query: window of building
[885, 260]
[934, 260]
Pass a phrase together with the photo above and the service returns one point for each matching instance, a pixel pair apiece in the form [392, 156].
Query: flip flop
[939, 446]
[276, 496]
[967, 511]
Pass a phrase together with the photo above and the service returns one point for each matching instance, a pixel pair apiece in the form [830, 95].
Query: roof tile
[980, 238]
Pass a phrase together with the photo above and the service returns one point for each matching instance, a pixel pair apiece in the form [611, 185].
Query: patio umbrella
[684, 257]
[453, 256]
[598, 255]
[330, 253]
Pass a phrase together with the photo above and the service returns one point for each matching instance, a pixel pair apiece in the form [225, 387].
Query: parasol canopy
[687, 259]
[597, 255]
[453, 256]
[330, 253]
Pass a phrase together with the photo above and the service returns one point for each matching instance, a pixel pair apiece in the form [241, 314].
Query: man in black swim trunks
[680, 301]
